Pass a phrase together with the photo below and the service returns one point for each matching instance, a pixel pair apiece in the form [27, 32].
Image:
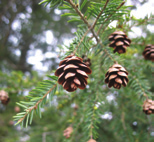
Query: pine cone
[119, 41]
[91, 140]
[148, 107]
[116, 76]
[86, 60]
[148, 52]
[4, 98]
[72, 73]
[67, 132]
[17, 109]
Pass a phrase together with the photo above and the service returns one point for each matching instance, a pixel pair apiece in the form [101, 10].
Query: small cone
[72, 73]
[17, 109]
[86, 60]
[4, 98]
[116, 76]
[148, 52]
[148, 107]
[119, 42]
[91, 140]
[67, 132]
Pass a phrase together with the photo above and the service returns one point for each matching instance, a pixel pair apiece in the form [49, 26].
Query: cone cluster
[4, 98]
[116, 76]
[148, 52]
[91, 140]
[148, 107]
[86, 60]
[67, 132]
[72, 73]
[119, 41]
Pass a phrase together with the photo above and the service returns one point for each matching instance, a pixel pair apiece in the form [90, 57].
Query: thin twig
[99, 15]
[137, 24]
[83, 18]
[109, 17]
[81, 40]
[35, 106]
[89, 26]
[144, 94]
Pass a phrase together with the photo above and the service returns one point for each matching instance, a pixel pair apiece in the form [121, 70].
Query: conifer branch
[89, 26]
[99, 30]
[99, 15]
[28, 110]
[81, 41]
[83, 19]
[145, 95]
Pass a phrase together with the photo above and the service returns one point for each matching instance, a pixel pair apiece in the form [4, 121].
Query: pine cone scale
[70, 66]
[59, 70]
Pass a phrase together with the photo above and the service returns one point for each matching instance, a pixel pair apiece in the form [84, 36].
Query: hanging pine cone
[148, 107]
[72, 73]
[4, 98]
[148, 52]
[86, 60]
[116, 76]
[119, 41]
[91, 140]
[17, 109]
[67, 132]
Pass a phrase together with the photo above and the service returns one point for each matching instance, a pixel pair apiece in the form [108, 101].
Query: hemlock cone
[148, 52]
[72, 73]
[116, 76]
[4, 98]
[148, 107]
[86, 60]
[91, 140]
[119, 41]
[67, 132]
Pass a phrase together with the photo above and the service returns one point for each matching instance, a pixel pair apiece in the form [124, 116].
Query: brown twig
[81, 40]
[109, 17]
[35, 106]
[99, 15]
[144, 94]
[89, 26]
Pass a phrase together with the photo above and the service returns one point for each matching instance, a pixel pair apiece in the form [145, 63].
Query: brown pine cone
[148, 107]
[17, 109]
[72, 73]
[86, 60]
[67, 132]
[116, 76]
[91, 140]
[148, 52]
[119, 41]
[4, 98]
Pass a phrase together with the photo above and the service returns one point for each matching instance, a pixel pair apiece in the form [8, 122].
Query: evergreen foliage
[96, 101]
